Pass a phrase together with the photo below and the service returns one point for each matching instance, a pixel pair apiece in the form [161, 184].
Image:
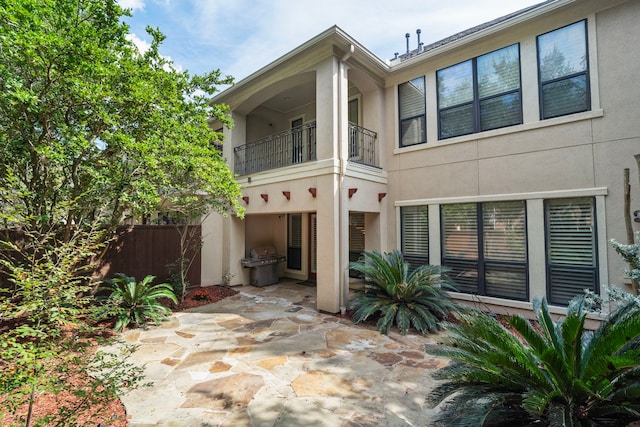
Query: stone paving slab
[266, 357]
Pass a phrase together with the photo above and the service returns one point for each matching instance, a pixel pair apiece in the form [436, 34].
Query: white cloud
[241, 36]
[142, 45]
[131, 4]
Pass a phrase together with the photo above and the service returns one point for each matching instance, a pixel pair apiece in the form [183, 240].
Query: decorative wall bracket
[381, 196]
[265, 197]
[246, 199]
[312, 190]
[287, 194]
[352, 191]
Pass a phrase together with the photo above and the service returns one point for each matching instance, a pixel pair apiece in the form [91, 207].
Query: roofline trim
[333, 31]
[530, 13]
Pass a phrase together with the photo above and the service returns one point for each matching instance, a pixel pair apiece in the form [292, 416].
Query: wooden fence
[142, 250]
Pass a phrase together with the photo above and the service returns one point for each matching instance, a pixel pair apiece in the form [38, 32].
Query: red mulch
[113, 414]
[197, 297]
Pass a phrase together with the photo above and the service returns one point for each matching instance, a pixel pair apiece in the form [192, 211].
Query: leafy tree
[556, 374]
[90, 127]
[394, 293]
[91, 130]
[47, 332]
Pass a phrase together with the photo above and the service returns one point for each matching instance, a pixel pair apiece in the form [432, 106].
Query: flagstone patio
[266, 357]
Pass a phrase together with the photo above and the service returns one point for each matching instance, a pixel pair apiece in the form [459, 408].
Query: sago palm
[137, 302]
[395, 293]
[558, 374]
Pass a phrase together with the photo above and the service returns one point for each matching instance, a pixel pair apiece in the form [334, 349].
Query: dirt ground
[113, 414]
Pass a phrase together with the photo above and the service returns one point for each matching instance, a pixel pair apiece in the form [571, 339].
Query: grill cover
[263, 262]
[263, 252]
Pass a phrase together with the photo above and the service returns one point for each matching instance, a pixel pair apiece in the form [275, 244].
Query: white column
[330, 250]
[212, 250]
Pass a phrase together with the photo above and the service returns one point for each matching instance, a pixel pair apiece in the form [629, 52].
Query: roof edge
[333, 31]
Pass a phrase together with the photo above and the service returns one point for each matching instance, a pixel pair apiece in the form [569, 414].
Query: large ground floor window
[518, 248]
[484, 246]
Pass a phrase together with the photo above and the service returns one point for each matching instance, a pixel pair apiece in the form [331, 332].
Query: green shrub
[556, 374]
[137, 302]
[396, 294]
[47, 334]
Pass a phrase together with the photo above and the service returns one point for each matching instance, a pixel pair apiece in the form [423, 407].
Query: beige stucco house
[497, 152]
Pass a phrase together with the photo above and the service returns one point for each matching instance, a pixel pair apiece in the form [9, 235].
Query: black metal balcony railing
[281, 149]
[362, 145]
[298, 145]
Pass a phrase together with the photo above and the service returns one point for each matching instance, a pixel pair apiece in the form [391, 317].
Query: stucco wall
[582, 151]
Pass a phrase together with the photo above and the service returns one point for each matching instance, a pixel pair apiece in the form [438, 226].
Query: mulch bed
[199, 296]
[113, 414]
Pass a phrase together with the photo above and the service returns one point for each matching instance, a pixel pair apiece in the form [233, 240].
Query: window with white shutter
[571, 248]
[411, 107]
[415, 234]
[294, 241]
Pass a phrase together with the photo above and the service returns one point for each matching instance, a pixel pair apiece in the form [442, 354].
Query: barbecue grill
[263, 262]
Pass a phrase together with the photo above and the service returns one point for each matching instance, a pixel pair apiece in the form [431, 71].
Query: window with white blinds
[294, 241]
[480, 94]
[563, 70]
[415, 234]
[356, 239]
[571, 248]
[485, 248]
[411, 108]
[505, 249]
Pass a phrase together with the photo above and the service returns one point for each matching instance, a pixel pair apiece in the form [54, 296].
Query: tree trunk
[627, 207]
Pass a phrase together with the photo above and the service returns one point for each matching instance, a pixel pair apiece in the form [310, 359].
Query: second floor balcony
[298, 145]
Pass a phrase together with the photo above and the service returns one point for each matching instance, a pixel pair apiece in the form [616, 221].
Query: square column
[329, 276]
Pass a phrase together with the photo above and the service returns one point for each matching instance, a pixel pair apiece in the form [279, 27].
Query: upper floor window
[563, 70]
[480, 94]
[411, 107]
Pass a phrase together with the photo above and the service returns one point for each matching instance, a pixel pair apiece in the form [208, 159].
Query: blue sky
[241, 36]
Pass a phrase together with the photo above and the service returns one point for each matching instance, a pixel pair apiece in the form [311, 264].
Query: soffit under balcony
[292, 97]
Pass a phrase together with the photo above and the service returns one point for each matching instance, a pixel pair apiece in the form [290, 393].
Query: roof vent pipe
[407, 36]
[418, 31]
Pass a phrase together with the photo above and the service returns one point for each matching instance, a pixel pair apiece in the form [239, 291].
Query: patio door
[354, 120]
[297, 141]
[313, 250]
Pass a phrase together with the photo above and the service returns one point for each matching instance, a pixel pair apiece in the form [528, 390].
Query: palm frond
[559, 374]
